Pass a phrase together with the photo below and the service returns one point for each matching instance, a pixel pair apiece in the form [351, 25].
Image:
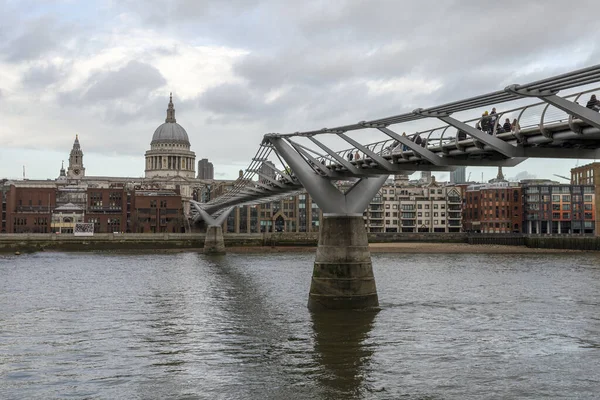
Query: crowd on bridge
[489, 123]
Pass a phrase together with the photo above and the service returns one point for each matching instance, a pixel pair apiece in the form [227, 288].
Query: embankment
[287, 240]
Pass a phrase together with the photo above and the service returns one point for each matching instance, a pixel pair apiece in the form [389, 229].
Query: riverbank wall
[173, 241]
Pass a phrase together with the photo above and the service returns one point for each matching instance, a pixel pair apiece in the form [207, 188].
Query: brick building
[28, 209]
[108, 209]
[493, 208]
[157, 211]
[589, 174]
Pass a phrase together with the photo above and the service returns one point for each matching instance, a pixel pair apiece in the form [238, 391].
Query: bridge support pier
[214, 243]
[343, 273]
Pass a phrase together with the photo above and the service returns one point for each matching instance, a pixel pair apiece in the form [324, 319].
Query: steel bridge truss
[555, 127]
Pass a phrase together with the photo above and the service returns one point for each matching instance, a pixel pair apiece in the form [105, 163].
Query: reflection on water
[184, 325]
[341, 350]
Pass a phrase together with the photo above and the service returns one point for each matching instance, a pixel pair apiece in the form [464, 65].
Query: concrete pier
[213, 242]
[343, 273]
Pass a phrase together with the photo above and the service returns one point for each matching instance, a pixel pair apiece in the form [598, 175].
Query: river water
[189, 326]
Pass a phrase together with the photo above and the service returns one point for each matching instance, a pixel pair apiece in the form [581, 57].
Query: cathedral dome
[170, 131]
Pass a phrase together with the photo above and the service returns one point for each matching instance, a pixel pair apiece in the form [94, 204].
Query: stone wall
[563, 242]
[112, 241]
[498, 239]
[432, 237]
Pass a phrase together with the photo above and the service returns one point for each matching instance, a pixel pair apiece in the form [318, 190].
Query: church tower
[76, 169]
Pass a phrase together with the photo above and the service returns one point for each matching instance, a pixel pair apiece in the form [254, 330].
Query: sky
[241, 68]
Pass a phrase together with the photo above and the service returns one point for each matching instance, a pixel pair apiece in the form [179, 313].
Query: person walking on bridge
[593, 103]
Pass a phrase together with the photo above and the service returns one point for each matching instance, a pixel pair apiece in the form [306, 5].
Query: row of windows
[163, 204]
[559, 189]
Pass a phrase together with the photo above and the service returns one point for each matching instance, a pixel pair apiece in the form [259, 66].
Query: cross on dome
[171, 110]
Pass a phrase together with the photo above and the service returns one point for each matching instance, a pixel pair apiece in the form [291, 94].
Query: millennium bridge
[543, 124]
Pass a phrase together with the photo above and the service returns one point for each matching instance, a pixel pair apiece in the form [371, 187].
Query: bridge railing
[536, 116]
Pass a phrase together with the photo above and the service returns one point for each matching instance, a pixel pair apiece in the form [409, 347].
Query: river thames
[189, 326]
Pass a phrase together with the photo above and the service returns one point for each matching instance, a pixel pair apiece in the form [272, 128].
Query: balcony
[33, 209]
[408, 224]
[454, 215]
[454, 200]
[104, 210]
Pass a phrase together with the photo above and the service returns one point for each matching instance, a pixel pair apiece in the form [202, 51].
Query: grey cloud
[42, 75]
[120, 93]
[234, 99]
[121, 83]
[39, 37]
[160, 13]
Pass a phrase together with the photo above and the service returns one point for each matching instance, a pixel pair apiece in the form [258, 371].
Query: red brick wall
[25, 207]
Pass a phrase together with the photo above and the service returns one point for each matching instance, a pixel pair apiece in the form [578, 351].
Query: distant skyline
[242, 68]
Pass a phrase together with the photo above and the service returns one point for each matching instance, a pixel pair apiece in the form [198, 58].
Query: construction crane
[564, 177]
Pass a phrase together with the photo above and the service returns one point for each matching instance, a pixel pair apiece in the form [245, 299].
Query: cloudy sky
[241, 68]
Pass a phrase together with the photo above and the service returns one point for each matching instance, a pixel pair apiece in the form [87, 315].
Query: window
[152, 203]
[426, 215]
[566, 199]
[419, 214]
[96, 199]
[587, 198]
[566, 207]
[435, 206]
[566, 216]
[555, 198]
[427, 206]
[555, 216]
[163, 204]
